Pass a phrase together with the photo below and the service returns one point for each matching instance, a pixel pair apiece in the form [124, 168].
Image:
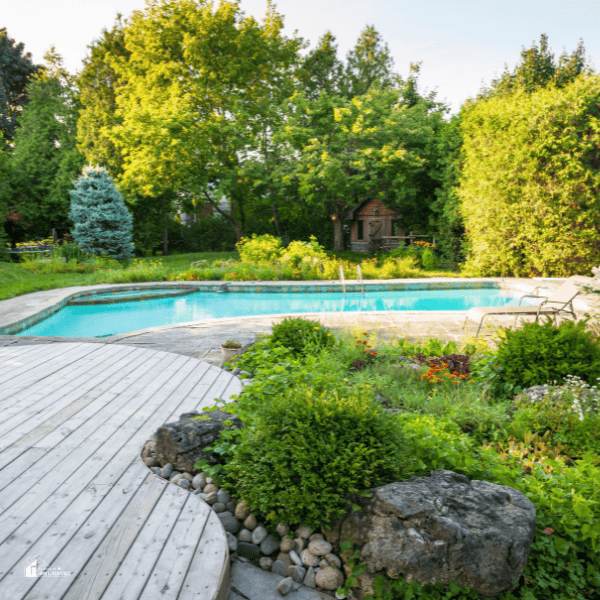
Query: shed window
[360, 234]
[394, 227]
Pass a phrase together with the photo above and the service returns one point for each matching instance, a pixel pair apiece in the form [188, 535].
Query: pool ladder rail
[359, 279]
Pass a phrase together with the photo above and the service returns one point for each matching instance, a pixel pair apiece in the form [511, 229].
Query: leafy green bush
[306, 450]
[296, 251]
[573, 426]
[543, 354]
[300, 335]
[71, 251]
[429, 260]
[259, 249]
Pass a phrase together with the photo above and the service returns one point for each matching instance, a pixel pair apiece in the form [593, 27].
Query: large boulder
[441, 527]
[182, 443]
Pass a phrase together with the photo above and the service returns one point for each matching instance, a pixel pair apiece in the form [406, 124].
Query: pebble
[285, 585]
[295, 558]
[307, 559]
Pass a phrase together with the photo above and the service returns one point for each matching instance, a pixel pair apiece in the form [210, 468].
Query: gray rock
[279, 568]
[245, 536]
[236, 371]
[269, 545]
[441, 527]
[166, 471]
[295, 558]
[199, 481]
[285, 585]
[218, 507]
[309, 579]
[156, 470]
[230, 506]
[182, 443]
[259, 534]
[150, 461]
[184, 483]
[333, 560]
[210, 498]
[230, 523]
[249, 551]
[296, 573]
[223, 497]
[232, 542]
[175, 476]
[320, 547]
[244, 373]
[329, 578]
[282, 530]
[265, 563]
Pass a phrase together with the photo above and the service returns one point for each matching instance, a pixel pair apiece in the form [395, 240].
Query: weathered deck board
[74, 491]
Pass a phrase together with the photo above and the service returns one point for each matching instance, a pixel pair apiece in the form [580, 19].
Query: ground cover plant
[320, 399]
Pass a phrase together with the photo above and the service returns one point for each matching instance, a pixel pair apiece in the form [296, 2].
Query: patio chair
[563, 297]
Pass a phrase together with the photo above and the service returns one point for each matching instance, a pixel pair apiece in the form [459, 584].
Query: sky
[463, 44]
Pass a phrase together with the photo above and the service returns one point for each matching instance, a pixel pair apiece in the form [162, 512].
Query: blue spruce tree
[102, 223]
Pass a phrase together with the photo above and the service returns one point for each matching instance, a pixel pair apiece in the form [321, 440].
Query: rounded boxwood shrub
[300, 334]
[306, 450]
[544, 354]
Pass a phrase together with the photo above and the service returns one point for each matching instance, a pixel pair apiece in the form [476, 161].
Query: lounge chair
[562, 298]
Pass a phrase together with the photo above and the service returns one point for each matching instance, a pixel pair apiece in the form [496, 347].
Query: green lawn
[35, 275]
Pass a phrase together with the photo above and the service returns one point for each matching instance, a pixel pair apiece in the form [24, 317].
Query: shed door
[374, 228]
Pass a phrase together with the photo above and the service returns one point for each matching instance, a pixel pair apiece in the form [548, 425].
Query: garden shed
[370, 220]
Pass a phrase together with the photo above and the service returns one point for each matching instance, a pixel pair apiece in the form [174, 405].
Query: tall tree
[367, 147]
[97, 83]
[16, 70]
[368, 64]
[198, 79]
[320, 69]
[537, 70]
[44, 160]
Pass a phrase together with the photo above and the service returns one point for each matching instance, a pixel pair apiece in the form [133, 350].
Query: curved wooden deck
[75, 496]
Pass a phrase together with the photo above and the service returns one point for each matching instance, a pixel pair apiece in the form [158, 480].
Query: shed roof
[350, 214]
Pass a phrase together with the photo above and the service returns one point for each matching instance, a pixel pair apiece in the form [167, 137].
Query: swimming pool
[102, 320]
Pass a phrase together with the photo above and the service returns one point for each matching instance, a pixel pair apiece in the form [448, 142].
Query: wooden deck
[75, 495]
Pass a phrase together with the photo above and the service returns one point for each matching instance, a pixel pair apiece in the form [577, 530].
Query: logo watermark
[36, 567]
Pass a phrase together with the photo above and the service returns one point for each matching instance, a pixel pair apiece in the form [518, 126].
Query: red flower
[548, 530]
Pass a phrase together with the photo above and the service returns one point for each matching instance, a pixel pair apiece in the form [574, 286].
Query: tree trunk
[239, 229]
[165, 237]
[338, 235]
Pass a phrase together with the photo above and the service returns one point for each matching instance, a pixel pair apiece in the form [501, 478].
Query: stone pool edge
[60, 297]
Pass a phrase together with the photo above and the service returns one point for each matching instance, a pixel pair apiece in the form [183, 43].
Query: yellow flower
[328, 334]
[317, 328]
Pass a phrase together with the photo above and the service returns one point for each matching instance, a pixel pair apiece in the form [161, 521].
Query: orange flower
[548, 530]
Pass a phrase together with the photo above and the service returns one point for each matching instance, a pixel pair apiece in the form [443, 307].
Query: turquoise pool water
[109, 319]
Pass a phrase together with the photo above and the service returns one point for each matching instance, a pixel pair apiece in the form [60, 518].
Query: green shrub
[71, 251]
[306, 450]
[545, 354]
[300, 335]
[296, 251]
[428, 260]
[259, 249]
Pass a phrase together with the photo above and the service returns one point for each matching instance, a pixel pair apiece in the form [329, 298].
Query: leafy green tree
[320, 70]
[102, 223]
[97, 85]
[44, 160]
[530, 182]
[371, 146]
[197, 79]
[16, 70]
[368, 64]
[537, 70]
[3, 208]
